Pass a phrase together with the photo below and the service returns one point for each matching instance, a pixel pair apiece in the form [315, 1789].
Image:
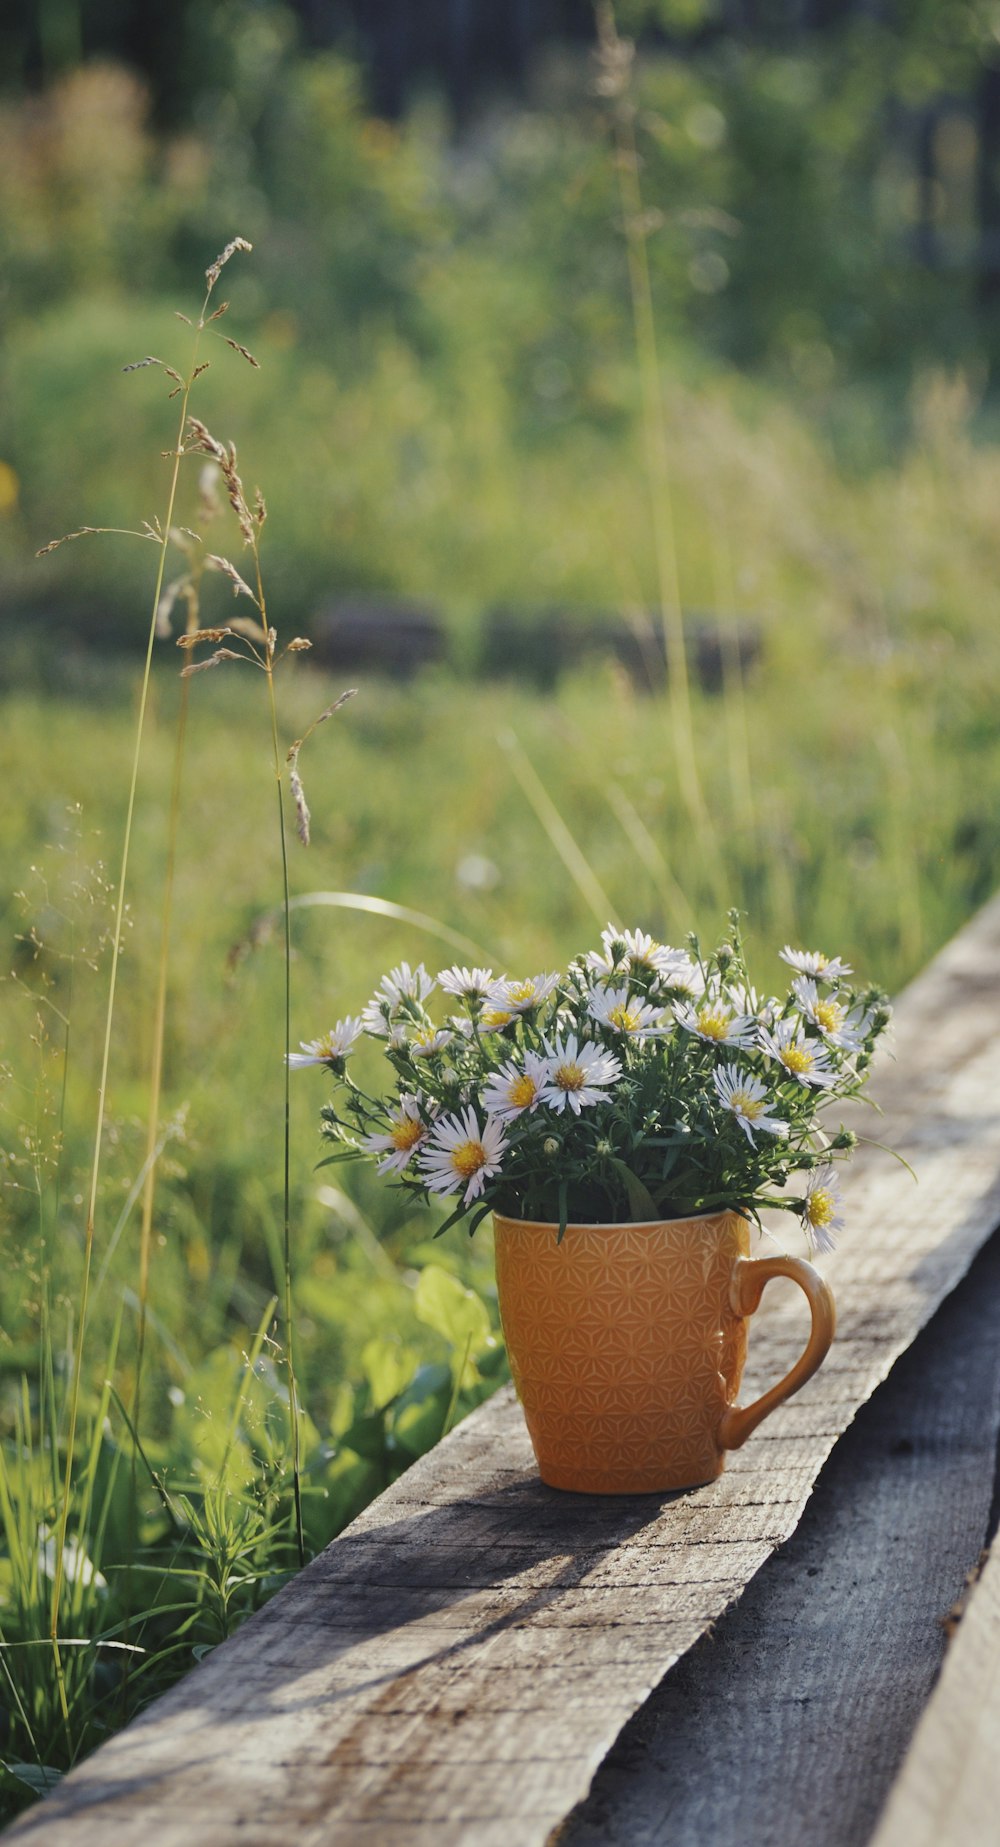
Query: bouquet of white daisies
[646, 1082]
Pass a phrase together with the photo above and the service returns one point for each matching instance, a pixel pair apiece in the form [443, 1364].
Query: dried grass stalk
[215, 269]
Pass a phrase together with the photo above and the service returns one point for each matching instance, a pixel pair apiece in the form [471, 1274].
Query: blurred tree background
[439, 290]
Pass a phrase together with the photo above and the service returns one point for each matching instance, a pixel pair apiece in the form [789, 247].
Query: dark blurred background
[439, 287]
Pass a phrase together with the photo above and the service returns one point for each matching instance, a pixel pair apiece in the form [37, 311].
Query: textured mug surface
[627, 1342]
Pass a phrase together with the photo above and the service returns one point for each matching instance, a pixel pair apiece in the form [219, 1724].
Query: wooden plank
[325, 1716]
[948, 1793]
[789, 1722]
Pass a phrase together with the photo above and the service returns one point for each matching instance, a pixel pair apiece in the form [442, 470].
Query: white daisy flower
[404, 983]
[802, 1058]
[580, 1074]
[424, 1041]
[840, 1026]
[406, 1131]
[813, 962]
[494, 1019]
[330, 1048]
[516, 1088]
[678, 970]
[633, 1018]
[746, 1096]
[717, 1022]
[377, 1025]
[467, 983]
[821, 1216]
[639, 954]
[460, 1153]
[515, 997]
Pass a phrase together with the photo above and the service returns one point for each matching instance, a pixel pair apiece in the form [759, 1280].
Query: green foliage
[645, 1082]
[447, 409]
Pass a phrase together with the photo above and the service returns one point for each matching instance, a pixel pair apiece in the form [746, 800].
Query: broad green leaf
[387, 1366]
[443, 1303]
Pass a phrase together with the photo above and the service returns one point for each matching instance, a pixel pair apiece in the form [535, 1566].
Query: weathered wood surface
[454, 1668]
[948, 1792]
[789, 1723]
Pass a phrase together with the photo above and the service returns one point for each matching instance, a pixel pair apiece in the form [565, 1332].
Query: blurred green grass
[447, 411]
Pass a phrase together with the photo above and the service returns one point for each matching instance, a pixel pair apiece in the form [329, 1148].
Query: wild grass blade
[572, 856]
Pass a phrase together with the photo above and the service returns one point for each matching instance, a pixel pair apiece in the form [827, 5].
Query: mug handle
[745, 1290]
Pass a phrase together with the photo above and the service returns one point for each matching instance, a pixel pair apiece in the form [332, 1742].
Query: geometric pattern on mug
[623, 1347]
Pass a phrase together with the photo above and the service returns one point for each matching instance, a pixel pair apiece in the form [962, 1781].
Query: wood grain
[789, 1722]
[948, 1792]
[457, 1664]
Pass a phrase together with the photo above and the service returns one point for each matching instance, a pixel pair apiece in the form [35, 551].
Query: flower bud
[846, 1138]
[550, 1146]
[603, 1146]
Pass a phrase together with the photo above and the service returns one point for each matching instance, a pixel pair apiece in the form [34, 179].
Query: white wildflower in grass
[813, 962]
[424, 1041]
[461, 1154]
[840, 1026]
[717, 1022]
[517, 997]
[807, 1060]
[330, 1048]
[466, 983]
[516, 1088]
[405, 1133]
[747, 1097]
[581, 1074]
[634, 1018]
[821, 1215]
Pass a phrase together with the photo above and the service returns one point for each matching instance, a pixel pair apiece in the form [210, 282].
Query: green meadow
[459, 400]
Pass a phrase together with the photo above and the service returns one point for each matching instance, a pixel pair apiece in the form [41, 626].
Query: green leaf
[387, 1366]
[641, 1202]
[39, 1777]
[443, 1303]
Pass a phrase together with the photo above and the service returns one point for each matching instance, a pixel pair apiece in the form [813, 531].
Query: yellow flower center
[522, 1091]
[820, 1207]
[624, 1017]
[468, 1158]
[425, 1035]
[406, 1133]
[750, 1107]
[569, 1077]
[521, 990]
[713, 1025]
[497, 1016]
[797, 1058]
[829, 1016]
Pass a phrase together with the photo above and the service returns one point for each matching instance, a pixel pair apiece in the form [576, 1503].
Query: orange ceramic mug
[627, 1343]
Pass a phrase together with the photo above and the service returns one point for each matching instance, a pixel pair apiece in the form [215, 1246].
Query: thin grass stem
[78, 1352]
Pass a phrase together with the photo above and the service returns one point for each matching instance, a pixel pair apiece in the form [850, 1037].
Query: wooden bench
[457, 1666]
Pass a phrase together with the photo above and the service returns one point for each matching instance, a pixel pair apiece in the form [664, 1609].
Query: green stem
[77, 1373]
[293, 1390]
